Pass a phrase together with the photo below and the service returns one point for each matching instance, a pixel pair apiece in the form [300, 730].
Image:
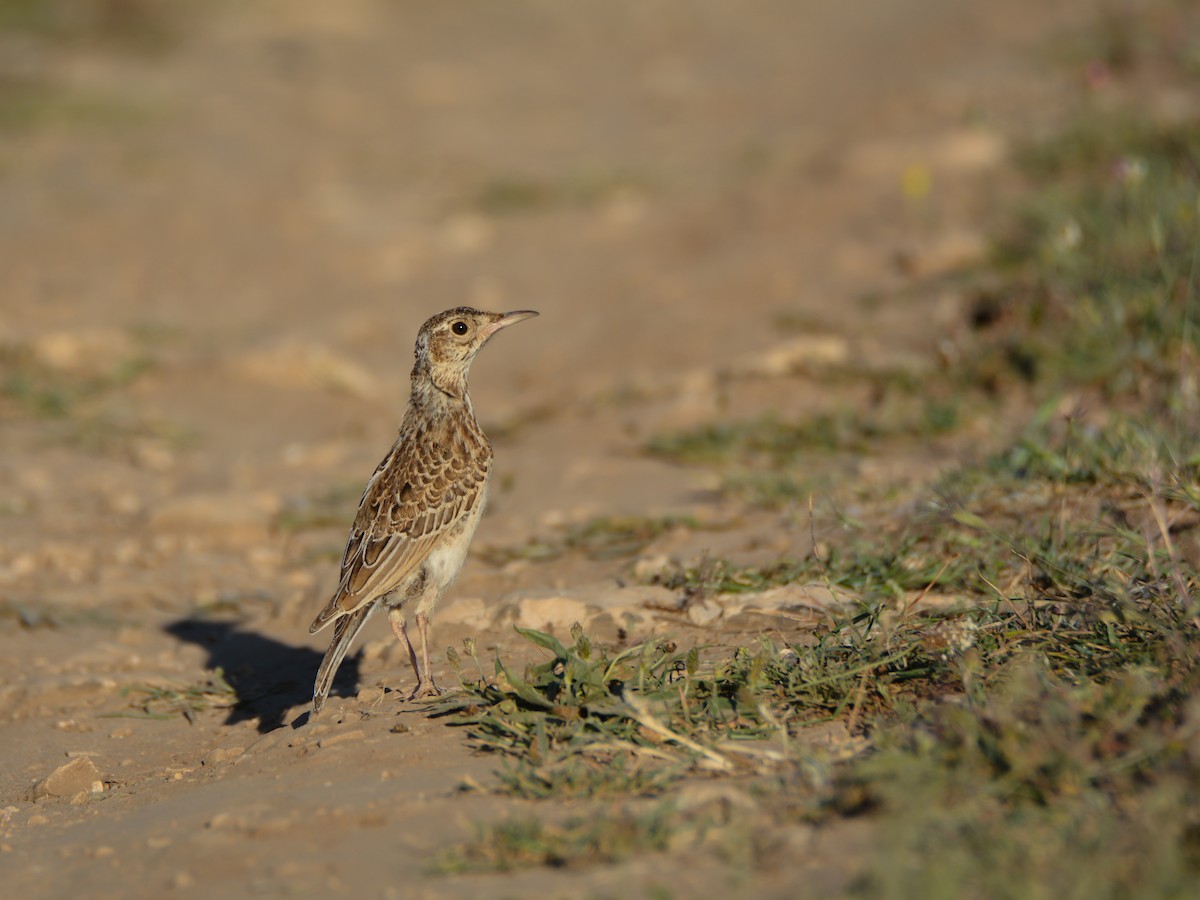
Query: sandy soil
[709, 203]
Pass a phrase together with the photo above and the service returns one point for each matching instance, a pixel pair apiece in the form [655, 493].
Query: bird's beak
[509, 318]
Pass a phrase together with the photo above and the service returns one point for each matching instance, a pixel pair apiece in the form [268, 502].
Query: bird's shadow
[269, 677]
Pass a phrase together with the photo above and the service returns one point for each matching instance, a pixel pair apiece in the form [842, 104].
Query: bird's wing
[420, 491]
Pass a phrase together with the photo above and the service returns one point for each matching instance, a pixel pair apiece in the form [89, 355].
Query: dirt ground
[220, 246]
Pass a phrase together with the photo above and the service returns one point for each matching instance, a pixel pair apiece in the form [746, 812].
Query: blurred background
[221, 225]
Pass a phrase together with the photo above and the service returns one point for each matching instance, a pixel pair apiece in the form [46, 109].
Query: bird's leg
[425, 683]
[400, 630]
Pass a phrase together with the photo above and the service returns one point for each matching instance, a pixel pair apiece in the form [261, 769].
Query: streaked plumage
[421, 507]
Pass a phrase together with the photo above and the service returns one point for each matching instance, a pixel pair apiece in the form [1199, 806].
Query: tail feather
[344, 631]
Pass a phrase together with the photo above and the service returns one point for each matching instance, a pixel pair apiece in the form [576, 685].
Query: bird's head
[447, 344]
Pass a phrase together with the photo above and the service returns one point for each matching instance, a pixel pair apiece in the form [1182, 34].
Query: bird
[420, 509]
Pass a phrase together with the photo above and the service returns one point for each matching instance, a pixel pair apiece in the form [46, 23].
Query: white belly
[445, 560]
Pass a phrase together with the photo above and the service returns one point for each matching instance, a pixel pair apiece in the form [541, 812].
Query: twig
[921, 596]
[858, 697]
[643, 717]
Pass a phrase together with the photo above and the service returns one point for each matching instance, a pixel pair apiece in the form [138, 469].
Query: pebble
[703, 612]
[80, 776]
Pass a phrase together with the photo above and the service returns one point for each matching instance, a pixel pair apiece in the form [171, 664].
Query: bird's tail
[344, 631]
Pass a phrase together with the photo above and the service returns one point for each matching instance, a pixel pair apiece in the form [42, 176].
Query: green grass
[527, 842]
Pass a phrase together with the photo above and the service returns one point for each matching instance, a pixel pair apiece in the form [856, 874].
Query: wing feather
[420, 491]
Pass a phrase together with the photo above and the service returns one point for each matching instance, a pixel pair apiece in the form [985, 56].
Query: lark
[421, 507]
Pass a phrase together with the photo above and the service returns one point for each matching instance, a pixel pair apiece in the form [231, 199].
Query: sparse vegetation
[44, 391]
[1099, 274]
[1058, 685]
[170, 701]
[521, 843]
[81, 407]
[1036, 736]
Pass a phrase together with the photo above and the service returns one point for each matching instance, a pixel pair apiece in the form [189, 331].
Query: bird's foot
[425, 688]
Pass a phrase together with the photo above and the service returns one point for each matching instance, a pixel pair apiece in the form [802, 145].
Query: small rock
[80, 776]
[703, 612]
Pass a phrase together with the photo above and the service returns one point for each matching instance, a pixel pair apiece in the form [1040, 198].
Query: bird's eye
[459, 327]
